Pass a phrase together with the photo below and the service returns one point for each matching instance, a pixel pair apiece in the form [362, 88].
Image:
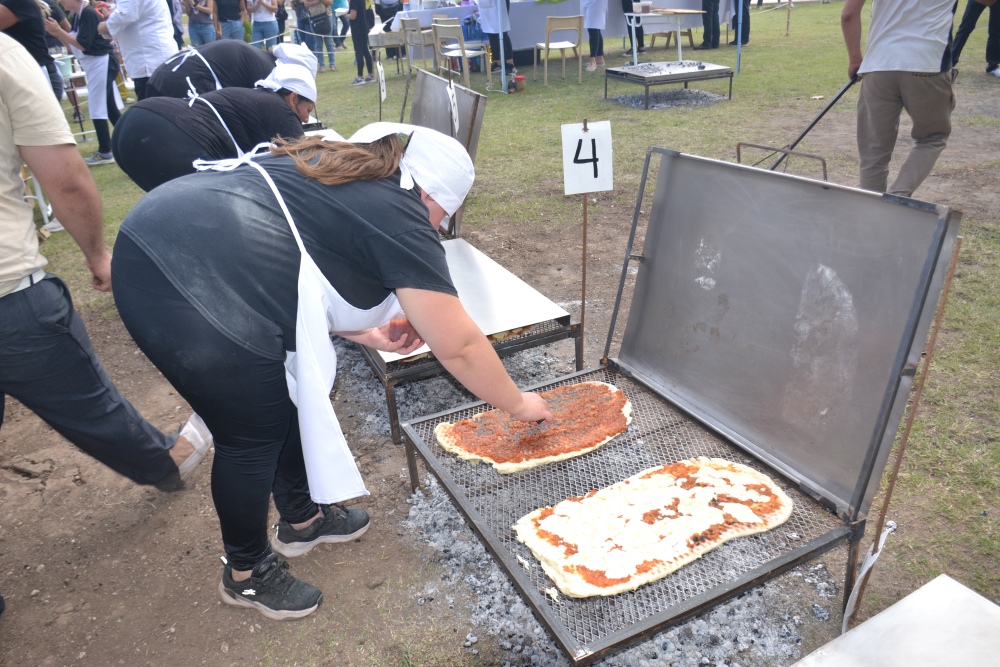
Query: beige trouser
[929, 101]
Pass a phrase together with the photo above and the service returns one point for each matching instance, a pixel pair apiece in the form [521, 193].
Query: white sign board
[587, 163]
[381, 80]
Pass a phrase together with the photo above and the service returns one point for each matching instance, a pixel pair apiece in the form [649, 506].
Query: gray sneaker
[339, 524]
[100, 158]
[271, 590]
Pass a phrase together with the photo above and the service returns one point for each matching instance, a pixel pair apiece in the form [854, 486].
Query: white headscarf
[296, 54]
[295, 78]
[437, 163]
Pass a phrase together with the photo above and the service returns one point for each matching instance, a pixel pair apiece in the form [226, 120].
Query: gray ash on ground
[682, 97]
[758, 628]
[357, 384]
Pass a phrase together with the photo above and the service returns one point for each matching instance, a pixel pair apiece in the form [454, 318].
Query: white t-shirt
[144, 34]
[259, 13]
[29, 116]
[908, 35]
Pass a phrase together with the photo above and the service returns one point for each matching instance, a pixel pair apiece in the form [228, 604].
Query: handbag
[319, 10]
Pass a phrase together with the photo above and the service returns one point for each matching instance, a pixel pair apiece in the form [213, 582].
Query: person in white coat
[231, 282]
[495, 22]
[595, 17]
[145, 36]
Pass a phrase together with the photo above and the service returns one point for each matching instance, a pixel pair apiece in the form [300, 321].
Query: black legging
[242, 396]
[151, 150]
[508, 48]
[627, 8]
[596, 42]
[101, 124]
[359, 35]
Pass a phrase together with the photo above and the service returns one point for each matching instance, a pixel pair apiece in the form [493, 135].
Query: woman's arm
[466, 353]
[57, 31]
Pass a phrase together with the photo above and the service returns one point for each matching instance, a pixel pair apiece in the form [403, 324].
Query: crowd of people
[346, 231]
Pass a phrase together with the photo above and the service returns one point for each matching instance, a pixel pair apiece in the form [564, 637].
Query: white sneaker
[200, 437]
[994, 72]
[53, 225]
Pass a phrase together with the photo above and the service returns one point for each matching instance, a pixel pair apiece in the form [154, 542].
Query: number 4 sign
[587, 157]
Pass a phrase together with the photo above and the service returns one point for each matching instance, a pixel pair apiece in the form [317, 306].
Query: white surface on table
[941, 623]
[495, 298]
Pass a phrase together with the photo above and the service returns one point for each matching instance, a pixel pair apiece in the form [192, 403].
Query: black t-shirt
[252, 115]
[85, 25]
[228, 10]
[235, 63]
[29, 31]
[360, 20]
[222, 240]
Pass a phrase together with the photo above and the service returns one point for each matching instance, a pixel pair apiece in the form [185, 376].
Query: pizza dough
[587, 415]
[649, 525]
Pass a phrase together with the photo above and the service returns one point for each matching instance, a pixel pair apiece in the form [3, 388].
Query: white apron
[96, 69]
[595, 14]
[182, 57]
[310, 370]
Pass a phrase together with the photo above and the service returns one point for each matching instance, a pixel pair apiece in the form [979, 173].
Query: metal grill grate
[659, 434]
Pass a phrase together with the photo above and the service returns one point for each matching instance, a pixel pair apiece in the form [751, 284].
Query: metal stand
[624, 74]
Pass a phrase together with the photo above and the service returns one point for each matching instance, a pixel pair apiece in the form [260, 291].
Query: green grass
[951, 475]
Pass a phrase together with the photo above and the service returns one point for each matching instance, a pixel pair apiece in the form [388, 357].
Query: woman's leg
[114, 114]
[360, 39]
[242, 397]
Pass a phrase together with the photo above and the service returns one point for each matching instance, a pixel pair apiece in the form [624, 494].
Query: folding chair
[556, 24]
[450, 43]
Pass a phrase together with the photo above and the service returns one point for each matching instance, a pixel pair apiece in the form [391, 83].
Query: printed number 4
[593, 151]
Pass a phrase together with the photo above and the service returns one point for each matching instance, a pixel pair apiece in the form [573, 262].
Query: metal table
[672, 18]
[498, 302]
[779, 327]
[648, 75]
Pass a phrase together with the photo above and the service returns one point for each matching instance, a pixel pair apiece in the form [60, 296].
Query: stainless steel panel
[941, 623]
[432, 108]
[495, 298]
[781, 312]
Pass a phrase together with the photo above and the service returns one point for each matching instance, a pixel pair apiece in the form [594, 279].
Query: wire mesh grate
[659, 434]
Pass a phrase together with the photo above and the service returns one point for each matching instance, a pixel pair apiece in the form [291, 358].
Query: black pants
[973, 10]
[151, 150]
[49, 365]
[746, 22]
[596, 42]
[359, 35]
[710, 21]
[242, 396]
[386, 14]
[140, 87]
[639, 37]
[101, 124]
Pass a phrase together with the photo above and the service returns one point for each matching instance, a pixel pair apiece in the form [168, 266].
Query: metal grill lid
[787, 314]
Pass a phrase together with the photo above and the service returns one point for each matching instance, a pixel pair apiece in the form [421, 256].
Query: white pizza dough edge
[550, 556]
[447, 442]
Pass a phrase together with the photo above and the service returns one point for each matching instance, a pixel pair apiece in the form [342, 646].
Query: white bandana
[437, 163]
[296, 54]
[295, 78]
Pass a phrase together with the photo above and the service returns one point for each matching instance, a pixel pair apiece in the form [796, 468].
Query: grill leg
[397, 436]
[852, 557]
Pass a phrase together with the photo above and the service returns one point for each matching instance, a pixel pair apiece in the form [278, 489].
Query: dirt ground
[96, 570]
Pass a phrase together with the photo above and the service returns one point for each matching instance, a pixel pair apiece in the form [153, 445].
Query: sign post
[587, 168]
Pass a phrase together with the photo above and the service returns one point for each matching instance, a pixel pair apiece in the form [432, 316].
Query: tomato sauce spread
[552, 538]
[585, 415]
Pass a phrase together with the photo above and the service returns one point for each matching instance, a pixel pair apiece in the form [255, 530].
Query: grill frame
[591, 628]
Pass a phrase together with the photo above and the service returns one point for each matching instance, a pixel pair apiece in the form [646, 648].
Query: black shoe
[339, 524]
[271, 590]
[704, 46]
[733, 43]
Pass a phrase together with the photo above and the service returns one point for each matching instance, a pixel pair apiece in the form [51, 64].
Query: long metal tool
[822, 113]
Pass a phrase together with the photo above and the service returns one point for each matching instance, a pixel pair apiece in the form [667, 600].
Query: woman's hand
[378, 338]
[533, 408]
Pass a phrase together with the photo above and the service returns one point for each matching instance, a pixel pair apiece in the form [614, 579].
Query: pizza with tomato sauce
[643, 528]
[586, 416]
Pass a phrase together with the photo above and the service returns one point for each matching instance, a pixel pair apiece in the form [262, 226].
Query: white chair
[557, 24]
[416, 38]
[450, 43]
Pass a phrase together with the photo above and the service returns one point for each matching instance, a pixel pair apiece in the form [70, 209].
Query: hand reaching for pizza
[533, 408]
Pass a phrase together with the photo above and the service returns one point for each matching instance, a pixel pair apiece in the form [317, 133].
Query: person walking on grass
[358, 14]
